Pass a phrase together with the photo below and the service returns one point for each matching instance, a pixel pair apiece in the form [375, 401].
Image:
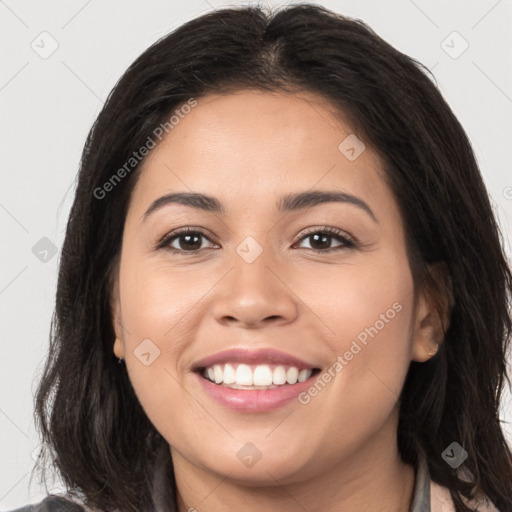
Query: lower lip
[254, 400]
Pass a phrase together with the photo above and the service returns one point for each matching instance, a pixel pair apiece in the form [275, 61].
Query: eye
[321, 239]
[188, 240]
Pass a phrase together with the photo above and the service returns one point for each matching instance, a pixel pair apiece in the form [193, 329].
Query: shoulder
[429, 496]
[441, 501]
[54, 503]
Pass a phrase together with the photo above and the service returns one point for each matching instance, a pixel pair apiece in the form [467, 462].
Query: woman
[282, 285]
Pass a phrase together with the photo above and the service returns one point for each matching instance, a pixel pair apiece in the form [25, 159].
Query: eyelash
[347, 242]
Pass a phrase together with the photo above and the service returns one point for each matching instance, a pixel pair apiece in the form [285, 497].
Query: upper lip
[251, 356]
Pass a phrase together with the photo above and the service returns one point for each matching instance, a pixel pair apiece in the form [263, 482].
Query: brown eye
[190, 241]
[321, 240]
[186, 240]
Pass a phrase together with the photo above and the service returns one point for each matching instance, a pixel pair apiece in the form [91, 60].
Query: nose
[255, 294]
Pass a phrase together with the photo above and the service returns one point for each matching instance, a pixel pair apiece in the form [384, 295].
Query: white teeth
[263, 376]
[279, 376]
[218, 374]
[238, 376]
[304, 375]
[292, 375]
[229, 374]
[243, 376]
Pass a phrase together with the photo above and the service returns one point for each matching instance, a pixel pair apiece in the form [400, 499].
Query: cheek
[365, 315]
[154, 299]
[159, 322]
[158, 302]
[354, 298]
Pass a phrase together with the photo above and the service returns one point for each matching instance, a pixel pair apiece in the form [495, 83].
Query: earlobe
[424, 351]
[119, 348]
[425, 339]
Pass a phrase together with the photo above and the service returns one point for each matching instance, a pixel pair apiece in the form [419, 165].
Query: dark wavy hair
[94, 429]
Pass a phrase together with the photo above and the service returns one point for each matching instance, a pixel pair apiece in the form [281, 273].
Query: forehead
[250, 145]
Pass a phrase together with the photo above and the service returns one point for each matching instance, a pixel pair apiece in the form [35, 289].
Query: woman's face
[264, 275]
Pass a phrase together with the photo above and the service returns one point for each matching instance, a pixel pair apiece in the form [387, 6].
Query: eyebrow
[287, 203]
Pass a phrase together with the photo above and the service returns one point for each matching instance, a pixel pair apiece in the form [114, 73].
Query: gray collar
[421, 496]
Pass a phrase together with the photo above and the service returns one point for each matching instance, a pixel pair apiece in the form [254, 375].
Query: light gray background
[49, 104]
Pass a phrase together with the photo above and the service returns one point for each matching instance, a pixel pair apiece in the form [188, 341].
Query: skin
[339, 451]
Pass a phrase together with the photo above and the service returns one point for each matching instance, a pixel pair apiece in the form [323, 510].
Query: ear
[434, 306]
[115, 311]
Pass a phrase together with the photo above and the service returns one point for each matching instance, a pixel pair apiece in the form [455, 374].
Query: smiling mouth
[263, 376]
